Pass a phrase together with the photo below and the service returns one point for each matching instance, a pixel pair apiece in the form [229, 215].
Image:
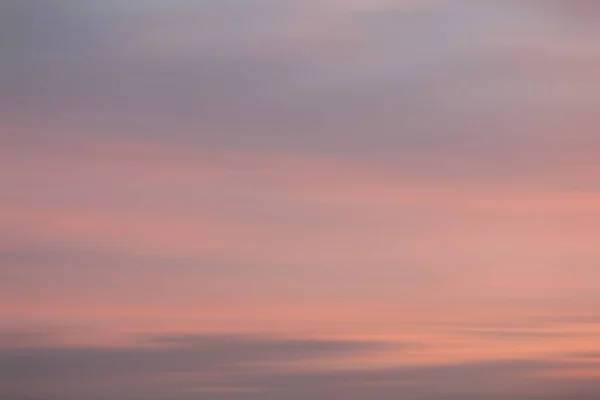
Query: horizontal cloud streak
[225, 366]
[421, 173]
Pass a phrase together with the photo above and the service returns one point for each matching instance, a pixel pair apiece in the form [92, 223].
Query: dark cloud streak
[235, 367]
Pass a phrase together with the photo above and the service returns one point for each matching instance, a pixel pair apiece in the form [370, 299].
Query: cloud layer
[420, 172]
[253, 367]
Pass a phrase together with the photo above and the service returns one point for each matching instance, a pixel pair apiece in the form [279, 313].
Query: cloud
[316, 165]
[443, 79]
[237, 366]
[125, 220]
[517, 334]
[167, 366]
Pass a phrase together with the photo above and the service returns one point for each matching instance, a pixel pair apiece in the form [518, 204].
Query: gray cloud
[445, 78]
[236, 367]
[162, 367]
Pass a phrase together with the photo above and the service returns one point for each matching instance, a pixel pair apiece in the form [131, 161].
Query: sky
[285, 200]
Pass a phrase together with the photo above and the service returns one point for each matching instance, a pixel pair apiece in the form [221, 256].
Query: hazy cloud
[232, 367]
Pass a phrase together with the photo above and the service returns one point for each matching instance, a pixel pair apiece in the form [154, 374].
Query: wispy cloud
[364, 167]
[229, 366]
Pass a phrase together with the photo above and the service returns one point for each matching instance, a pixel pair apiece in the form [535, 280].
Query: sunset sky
[299, 199]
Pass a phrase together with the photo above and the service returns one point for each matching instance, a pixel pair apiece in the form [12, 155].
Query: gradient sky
[283, 199]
